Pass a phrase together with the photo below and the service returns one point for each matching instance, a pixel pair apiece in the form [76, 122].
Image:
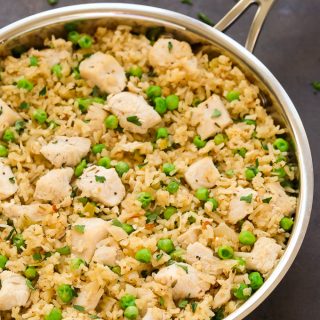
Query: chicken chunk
[154, 314]
[31, 213]
[198, 252]
[211, 116]
[52, 56]
[263, 256]
[8, 184]
[202, 173]
[280, 200]
[14, 291]
[89, 296]
[168, 53]
[224, 231]
[102, 185]
[241, 205]
[142, 147]
[190, 236]
[184, 279]
[7, 116]
[104, 71]
[106, 255]
[224, 293]
[84, 242]
[95, 118]
[66, 150]
[133, 111]
[55, 186]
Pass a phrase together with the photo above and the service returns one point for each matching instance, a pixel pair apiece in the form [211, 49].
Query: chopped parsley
[189, 2]
[29, 284]
[135, 120]
[100, 179]
[161, 301]
[170, 46]
[216, 113]
[204, 18]
[79, 228]
[194, 306]
[182, 304]
[247, 198]
[12, 180]
[142, 165]
[316, 85]
[267, 200]
[79, 308]
[159, 256]
[185, 268]
[43, 91]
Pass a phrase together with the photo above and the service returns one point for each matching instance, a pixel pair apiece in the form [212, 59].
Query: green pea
[127, 300]
[280, 172]
[143, 255]
[240, 267]
[160, 105]
[57, 70]
[8, 136]
[40, 116]
[177, 255]
[131, 312]
[165, 245]
[105, 162]
[202, 194]
[173, 186]
[145, 198]
[169, 212]
[111, 122]
[242, 152]
[135, 71]
[76, 263]
[116, 270]
[241, 291]
[172, 102]
[214, 203]
[97, 148]
[19, 126]
[121, 168]
[25, 84]
[84, 104]
[66, 293]
[256, 280]
[286, 223]
[250, 173]
[168, 168]
[18, 241]
[233, 95]
[85, 41]
[80, 168]
[219, 138]
[198, 142]
[74, 37]
[154, 92]
[3, 151]
[3, 261]
[37, 256]
[54, 314]
[281, 145]
[31, 273]
[33, 61]
[247, 238]
[162, 133]
[64, 250]
[225, 252]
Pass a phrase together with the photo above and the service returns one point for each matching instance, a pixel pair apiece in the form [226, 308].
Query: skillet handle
[264, 7]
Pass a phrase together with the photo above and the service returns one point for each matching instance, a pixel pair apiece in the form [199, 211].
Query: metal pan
[32, 30]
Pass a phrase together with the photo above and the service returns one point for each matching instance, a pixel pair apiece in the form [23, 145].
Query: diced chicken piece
[84, 243]
[133, 111]
[184, 280]
[154, 314]
[55, 186]
[198, 252]
[66, 150]
[202, 173]
[95, 117]
[102, 185]
[89, 296]
[143, 147]
[52, 56]
[104, 71]
[224, 231]
[7, 116]
[8, 184]
[263, 256]
[241, 205]
[224, 293]
[14, 291]
[31, 213]
[168, 53]
[117, 233]
[190, 236]
[106, 255]
[280, 200]
[212, 117]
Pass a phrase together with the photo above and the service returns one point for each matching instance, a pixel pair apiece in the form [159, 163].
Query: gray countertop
[290, 47]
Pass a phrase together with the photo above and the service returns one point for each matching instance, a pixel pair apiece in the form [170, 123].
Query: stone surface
[290, 47]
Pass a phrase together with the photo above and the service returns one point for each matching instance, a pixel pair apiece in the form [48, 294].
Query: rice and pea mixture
[139, 180]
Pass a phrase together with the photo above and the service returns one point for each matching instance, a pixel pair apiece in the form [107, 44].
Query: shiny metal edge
[182, 22]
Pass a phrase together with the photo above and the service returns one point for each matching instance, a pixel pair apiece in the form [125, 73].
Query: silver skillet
[32, 30]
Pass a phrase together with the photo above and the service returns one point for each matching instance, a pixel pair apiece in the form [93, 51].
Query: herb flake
[205, 19]
[170, 46]
[188, 2]
[100, 179]
[135, 120]
[247, 199]
[79, 228]
[316, 85]
[267, 200]
[79, 308]
[216, 113]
